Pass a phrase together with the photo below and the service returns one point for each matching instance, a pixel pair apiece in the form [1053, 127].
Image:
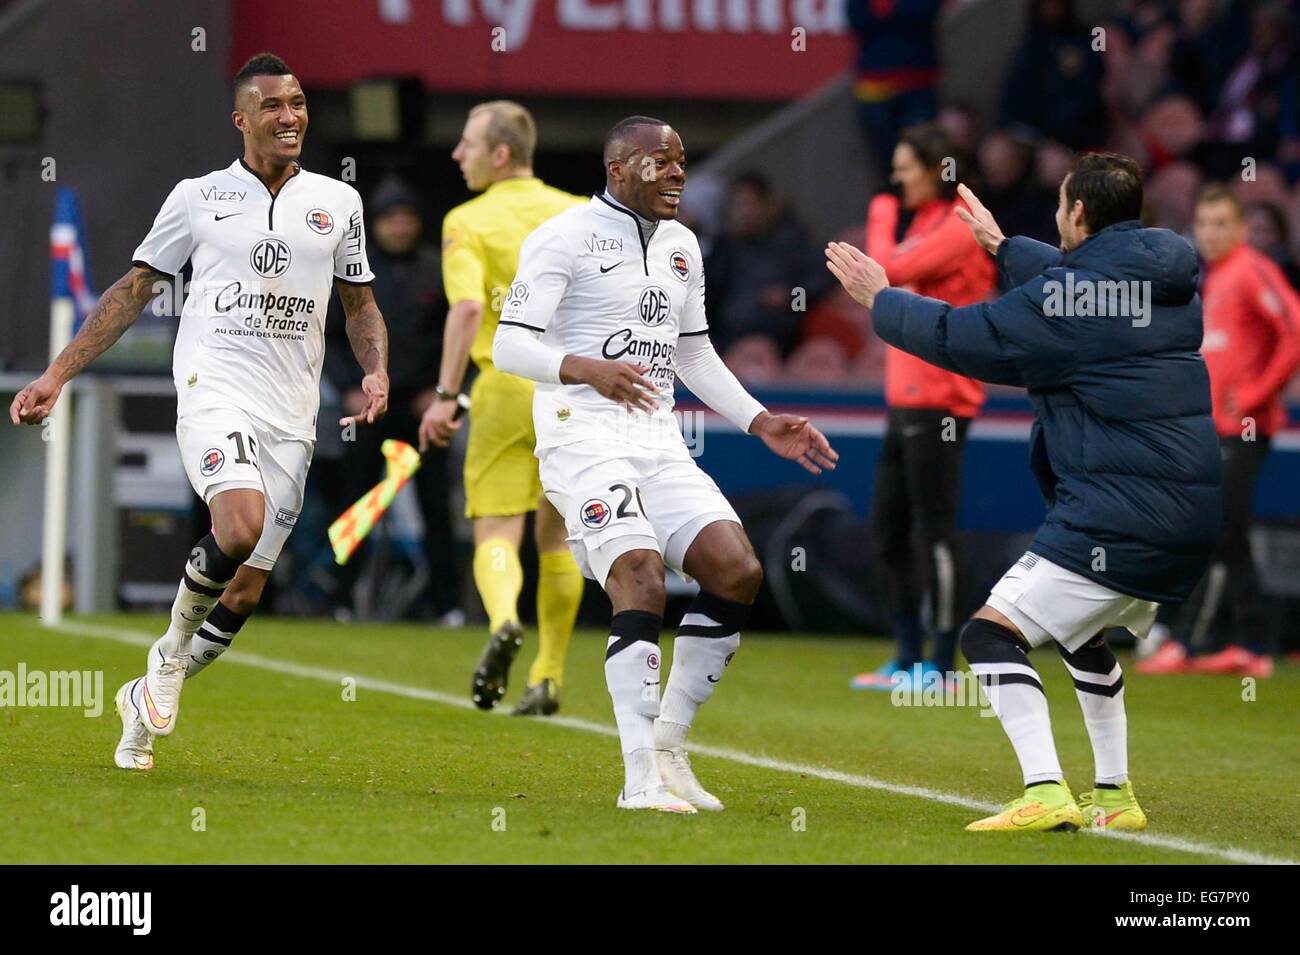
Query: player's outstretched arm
[115, 312]
[794, 438]
[701, 369]
[369, 338]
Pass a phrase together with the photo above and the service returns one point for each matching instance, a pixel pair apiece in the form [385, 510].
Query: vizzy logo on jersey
[213, 194]
[597, 244]
[320, 221]
[653, 306]
[270, 258]
[211, 462]
[680, 264]
[595, 513]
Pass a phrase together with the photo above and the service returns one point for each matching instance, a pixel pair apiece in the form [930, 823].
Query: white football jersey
[252, 330]
[590, 285]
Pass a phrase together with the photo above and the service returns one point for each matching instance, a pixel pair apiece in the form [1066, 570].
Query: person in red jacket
[914, 503]
[1251, 349]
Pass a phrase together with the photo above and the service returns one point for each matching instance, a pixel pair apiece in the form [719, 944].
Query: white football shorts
[617, 497]
[224, 448]
[1048, 602]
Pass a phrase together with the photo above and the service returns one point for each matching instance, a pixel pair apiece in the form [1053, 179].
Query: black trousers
[1200, 621]
[914, 518]
[363, 466]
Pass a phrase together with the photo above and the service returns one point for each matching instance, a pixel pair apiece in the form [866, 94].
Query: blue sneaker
[891, 675]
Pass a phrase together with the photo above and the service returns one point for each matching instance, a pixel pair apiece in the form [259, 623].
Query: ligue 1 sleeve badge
[320, 221]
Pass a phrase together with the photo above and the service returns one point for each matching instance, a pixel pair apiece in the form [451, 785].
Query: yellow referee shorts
[500, 468]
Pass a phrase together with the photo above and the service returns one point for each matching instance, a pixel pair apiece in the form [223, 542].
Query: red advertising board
[722, 49]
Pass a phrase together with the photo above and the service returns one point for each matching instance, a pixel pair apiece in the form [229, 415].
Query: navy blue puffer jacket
[1123, 446]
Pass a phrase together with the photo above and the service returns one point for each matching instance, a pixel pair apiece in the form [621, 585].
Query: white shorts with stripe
[1048, 602]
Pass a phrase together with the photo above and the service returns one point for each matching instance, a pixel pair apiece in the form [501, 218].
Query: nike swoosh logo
[218, 218]
[603, 270]
[711, 678]
[1107, 820]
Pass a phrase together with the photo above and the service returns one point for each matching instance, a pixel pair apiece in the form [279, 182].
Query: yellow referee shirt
[480, 247]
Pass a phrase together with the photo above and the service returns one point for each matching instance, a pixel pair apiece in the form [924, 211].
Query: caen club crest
[212, 461]
[679, 264]
[595, 513]
[320, 221]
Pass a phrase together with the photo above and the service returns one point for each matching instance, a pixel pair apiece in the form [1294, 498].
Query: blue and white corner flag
[69, 266]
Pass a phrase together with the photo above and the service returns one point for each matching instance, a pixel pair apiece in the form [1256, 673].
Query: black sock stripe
[1099, 689]
[714, 631]
[211, 561]
[199, 588]
[619, 645]
[207, 633]
[1094, 658]
[636, 624]
[226, 620]
[1007, 679]
[729, 613]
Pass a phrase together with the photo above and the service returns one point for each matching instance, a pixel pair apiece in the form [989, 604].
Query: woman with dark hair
[914, 504]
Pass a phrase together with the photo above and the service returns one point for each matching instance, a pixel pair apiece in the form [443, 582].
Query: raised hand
[980, 221]
[861, 275]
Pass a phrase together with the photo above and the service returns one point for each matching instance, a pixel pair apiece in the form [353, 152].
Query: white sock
[207, 574]
[632, 675]
[214, 638]
[707, 639]
[1022, 708]
[1099, 684]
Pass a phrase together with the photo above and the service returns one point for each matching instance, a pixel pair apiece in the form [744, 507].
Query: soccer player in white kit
[268, 241]
[606, 311]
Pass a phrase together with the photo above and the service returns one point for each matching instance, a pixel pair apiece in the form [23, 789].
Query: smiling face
[650, 173]
[271, 112]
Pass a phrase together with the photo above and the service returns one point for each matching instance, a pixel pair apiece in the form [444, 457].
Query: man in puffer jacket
[1105, 335]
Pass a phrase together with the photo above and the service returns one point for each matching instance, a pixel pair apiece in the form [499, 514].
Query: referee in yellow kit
[480, 253]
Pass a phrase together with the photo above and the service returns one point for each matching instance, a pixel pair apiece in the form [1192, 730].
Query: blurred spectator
[961, 122]
[1054, 84]
[756, 266]
[408, 290]
[754, 359]
[1256, 111]
[1009, 187]
[821, 360]
[1171, 196]
[1267, 231]
[897, 69]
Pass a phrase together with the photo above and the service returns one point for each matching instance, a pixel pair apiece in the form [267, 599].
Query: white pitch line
[242, 658]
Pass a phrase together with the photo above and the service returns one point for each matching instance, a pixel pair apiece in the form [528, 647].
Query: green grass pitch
[285, 769]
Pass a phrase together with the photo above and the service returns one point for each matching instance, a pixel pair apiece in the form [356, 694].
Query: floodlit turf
[286, 770]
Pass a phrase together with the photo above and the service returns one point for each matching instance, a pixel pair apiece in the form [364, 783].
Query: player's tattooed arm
[115, 312]
[369, 338]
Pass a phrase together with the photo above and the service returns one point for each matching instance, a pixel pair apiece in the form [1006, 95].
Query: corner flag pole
[71, 300]
[57, 434]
